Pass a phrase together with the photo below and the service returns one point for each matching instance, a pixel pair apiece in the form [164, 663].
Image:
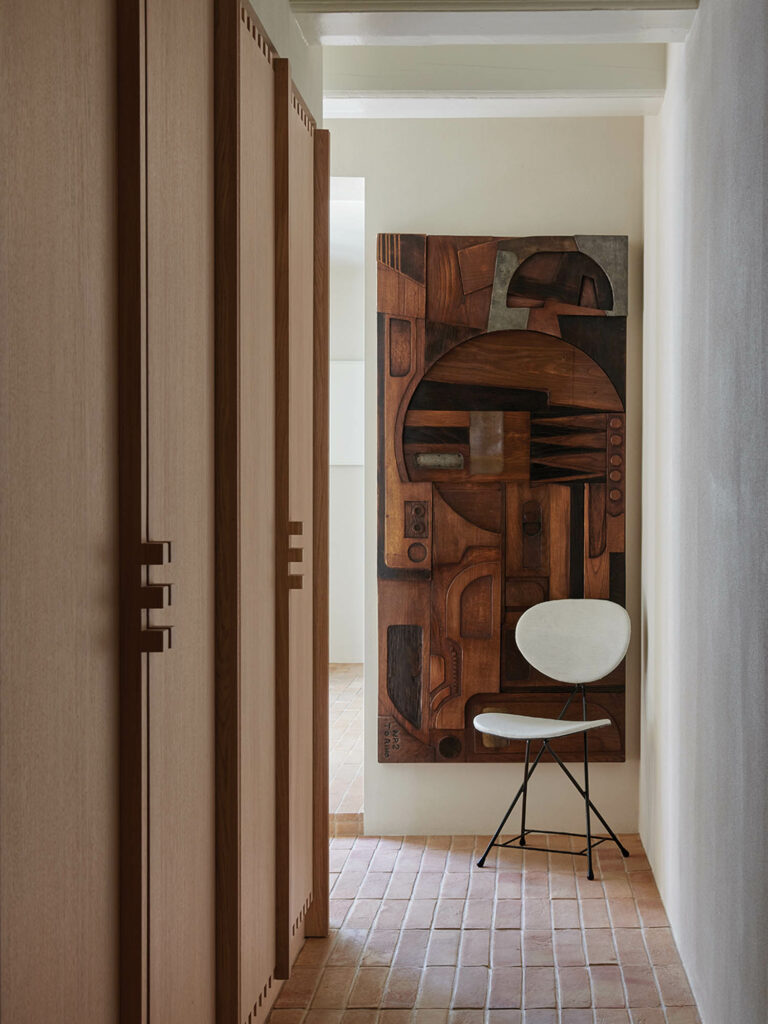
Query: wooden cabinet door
[256, 519]
[246, 518]
[267, 695]
[58, 517]
[179, 496]
[166, 430]
[294, 311]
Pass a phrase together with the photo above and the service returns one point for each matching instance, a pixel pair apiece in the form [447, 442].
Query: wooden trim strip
[282, 622]
[317, 916]
[226, 505]
[131, 256]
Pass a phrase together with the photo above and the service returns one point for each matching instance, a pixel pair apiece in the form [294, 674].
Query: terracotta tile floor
[420, 935]
[346, 739]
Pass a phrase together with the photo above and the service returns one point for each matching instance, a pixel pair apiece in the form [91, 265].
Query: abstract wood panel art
[501, 478]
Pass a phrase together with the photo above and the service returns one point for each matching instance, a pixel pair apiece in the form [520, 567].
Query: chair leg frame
[520, 841]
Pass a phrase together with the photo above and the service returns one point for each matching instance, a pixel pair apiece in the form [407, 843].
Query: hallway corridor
[346, 749]
[420, 935]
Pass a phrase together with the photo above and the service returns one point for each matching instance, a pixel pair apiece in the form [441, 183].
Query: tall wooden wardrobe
[163, 539]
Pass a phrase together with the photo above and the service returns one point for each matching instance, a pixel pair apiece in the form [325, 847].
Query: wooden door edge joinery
[317, 915]
[227, 488]
[282, 536]
[131, 236]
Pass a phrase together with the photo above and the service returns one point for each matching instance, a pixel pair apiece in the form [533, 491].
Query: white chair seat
[523, 727]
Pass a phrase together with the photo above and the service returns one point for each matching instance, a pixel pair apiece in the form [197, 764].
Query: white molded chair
[575, 641]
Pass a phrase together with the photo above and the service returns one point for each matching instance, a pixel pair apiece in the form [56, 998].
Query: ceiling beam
[646, 24]
[351, 6]
[493, 81]
[427, 107]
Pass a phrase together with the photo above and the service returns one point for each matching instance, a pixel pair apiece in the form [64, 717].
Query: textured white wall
[503, 177]
[704, 798]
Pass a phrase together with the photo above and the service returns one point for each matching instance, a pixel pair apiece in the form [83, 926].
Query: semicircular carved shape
[570, 277]
[527, 361]
[478, 413]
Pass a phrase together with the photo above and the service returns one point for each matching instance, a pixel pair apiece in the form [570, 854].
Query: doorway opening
[347, 503]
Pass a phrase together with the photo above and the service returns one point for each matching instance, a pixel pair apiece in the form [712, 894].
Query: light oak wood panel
[179, 185]
[58, 521]
[301, 441]
[294, 249]
[257, 519]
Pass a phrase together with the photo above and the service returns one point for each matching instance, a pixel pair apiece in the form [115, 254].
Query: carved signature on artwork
[391, 739]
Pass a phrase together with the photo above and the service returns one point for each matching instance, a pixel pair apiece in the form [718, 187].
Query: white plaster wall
[347, 513]
[505, 177]
[347, 412]
[347, 426]
[347, 271]
[704, 798]
[346, 542]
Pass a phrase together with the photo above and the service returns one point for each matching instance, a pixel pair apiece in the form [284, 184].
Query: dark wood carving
[501, 478]
[404, 645]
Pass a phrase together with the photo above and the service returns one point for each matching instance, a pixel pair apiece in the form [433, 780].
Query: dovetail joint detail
[260, 1005]
[254, 29]
[302, 914]
[304, 115]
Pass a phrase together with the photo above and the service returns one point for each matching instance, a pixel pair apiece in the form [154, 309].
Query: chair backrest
[578, 640]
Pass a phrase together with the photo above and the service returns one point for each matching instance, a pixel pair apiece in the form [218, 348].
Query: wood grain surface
[226, 504]
[180, 508]
[501, 476]
[59, 639]
[258, 680]
[317, 916]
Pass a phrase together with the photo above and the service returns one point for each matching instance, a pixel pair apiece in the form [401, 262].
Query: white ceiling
[493, 58]
[493, 80]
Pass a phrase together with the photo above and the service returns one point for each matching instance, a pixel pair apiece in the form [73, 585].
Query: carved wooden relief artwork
[501, 478]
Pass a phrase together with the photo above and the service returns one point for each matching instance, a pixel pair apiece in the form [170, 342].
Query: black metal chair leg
[525, 791]
[597, 813]
[590, 872]
[523, 788]
[589, 807]
[497, 833]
